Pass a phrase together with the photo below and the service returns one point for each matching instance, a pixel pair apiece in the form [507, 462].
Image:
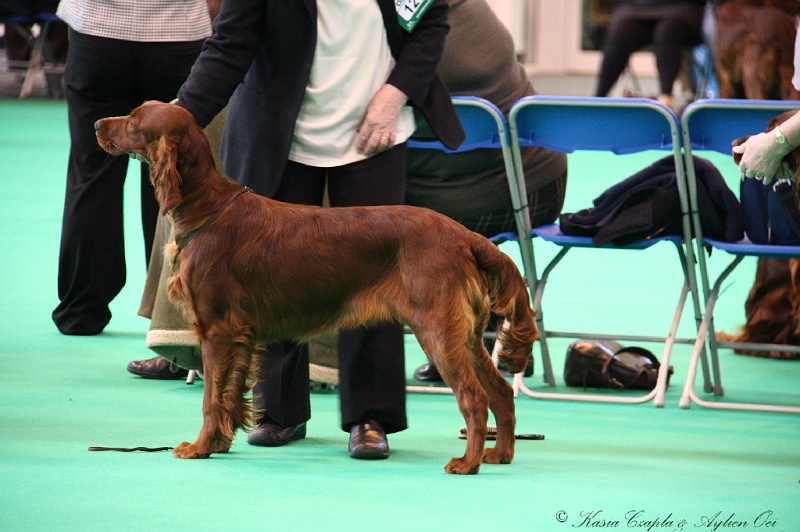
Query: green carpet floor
[600, 466]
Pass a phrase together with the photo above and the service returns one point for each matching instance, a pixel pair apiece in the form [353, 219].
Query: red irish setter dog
[249, 270]
[755, 49]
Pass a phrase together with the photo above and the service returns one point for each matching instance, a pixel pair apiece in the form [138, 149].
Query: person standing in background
[669, 25]
[120, 54]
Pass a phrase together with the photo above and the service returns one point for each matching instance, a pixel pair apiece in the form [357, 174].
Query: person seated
[471, 187]
[26, 14]
[669, 25]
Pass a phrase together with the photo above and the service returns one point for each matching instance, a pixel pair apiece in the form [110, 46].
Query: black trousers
[106, 77]
[371, 359]
[668, 28]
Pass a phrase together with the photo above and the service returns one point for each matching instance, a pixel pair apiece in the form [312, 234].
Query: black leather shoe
[270, 434]
[157, 368]
[427, 373]
[368, 441]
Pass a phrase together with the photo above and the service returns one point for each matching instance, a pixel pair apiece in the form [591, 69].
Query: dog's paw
[189, 450]
[222, 448]
[459, 466]
[492, 456]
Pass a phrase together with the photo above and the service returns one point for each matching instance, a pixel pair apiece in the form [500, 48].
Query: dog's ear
[737, 157]
[167, 181]
[780, 119]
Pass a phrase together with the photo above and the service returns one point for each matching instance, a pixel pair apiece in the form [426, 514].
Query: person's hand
[761, 157]
[379, 127]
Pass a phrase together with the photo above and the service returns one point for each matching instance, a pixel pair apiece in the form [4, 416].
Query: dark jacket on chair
[647, 204]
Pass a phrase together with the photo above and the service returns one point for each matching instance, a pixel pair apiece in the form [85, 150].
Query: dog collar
[193, 233]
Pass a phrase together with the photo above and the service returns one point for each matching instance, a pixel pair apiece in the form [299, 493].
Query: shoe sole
[161, 377]
[369, 454]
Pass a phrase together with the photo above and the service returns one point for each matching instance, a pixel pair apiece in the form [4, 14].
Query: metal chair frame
[485, 127]
[41, 54]
[618, 125]
[712, 124]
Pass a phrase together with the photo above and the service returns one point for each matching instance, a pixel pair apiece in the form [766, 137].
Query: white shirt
[351, 41]
[138, 20]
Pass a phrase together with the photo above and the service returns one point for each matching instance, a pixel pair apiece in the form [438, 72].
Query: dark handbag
[771, 213]
[606, 364]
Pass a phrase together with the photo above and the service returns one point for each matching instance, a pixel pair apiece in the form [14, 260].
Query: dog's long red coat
[263, 270]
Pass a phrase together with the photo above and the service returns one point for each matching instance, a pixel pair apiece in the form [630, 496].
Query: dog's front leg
[473, 404]
[226, 366]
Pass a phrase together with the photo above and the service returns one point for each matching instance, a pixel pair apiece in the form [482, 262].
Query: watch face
[779, 136]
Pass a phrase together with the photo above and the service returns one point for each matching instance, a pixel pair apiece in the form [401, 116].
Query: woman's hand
[378, 129]
[761, 157]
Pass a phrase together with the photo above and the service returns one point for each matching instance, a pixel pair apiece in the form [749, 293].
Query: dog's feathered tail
[509, 298]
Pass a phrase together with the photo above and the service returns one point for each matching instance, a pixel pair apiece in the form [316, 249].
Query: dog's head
[792, 158]
[163, 135]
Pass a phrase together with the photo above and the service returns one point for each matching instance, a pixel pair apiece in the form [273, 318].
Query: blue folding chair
[620, 126]
[712, 125]
[485, 127]
[41, 53]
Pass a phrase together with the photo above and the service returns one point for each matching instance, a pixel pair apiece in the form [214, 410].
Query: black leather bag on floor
[607, 364]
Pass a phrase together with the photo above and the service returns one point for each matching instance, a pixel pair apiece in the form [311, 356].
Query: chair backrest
[484, 125]
[618, 125]
[713, 124]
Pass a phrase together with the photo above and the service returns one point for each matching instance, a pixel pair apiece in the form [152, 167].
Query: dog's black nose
[97, 126]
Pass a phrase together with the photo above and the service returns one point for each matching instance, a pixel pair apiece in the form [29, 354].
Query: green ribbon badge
[410, 11]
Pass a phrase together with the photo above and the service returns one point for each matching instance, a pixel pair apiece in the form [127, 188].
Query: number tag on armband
[410, 11]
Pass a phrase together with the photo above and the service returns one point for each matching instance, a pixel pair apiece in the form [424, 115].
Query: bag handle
[787, 199]
[636, 350]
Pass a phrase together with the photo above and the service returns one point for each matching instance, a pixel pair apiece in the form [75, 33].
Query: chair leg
[706, 331]
[699, 344]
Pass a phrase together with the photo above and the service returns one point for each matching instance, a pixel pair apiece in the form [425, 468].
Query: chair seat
[745, 247]
[552, 233]
[506, 236]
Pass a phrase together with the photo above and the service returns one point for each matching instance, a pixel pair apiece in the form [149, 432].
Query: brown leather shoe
[368, 441]
[157, 368]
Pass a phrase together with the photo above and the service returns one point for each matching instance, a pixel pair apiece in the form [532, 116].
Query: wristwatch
[781, 138]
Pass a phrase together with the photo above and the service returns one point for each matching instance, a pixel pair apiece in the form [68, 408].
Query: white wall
[548, 37]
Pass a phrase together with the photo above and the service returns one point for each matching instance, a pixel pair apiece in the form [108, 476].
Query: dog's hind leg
[452, 359]
[226, 367]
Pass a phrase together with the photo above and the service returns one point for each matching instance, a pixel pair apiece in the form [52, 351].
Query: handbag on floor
[607, 364]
